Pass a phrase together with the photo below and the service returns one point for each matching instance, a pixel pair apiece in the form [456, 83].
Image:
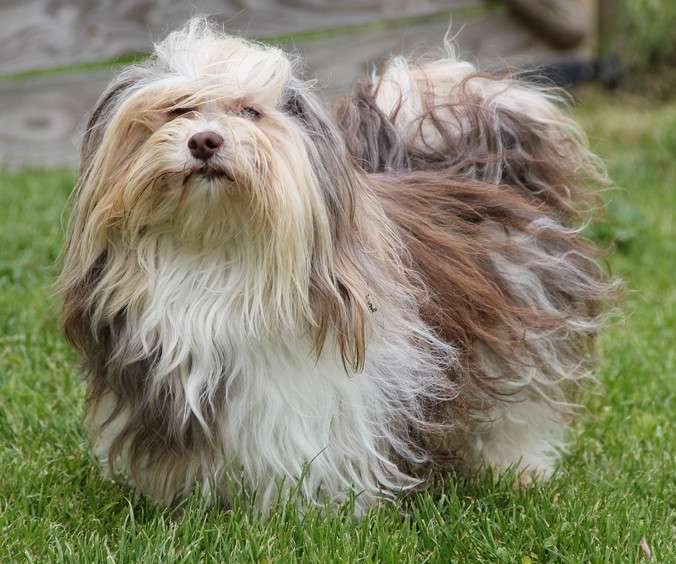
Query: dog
[342, 304]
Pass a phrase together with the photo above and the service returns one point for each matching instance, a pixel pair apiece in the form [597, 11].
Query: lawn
[617, 485]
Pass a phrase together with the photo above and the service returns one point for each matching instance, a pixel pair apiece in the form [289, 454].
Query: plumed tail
[443, 114]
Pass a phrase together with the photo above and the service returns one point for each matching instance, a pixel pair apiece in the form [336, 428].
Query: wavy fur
[357, 300]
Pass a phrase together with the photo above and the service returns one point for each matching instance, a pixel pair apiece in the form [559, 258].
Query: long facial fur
[357, 296]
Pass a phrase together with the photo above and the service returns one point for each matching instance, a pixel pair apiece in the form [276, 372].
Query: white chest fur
[285, 412]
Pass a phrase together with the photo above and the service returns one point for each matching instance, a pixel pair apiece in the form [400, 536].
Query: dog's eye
[176, 112]
[249, 112]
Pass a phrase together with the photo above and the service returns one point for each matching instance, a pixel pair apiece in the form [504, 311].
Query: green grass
[649, 38]
[616, 486]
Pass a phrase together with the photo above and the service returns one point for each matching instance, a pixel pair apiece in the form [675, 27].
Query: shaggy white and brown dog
[268, 294]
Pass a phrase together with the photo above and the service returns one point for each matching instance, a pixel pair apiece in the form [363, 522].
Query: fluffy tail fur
[442, 114]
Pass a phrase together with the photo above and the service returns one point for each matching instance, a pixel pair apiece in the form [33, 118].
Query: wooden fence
[56, 54]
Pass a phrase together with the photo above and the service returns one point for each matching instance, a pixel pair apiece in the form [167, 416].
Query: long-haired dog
[268, 294]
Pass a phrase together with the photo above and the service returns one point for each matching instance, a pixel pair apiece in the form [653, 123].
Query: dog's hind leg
[524, 435]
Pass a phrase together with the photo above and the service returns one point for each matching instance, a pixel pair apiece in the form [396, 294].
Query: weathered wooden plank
[48, 33]
[564, 22]
[42, 117]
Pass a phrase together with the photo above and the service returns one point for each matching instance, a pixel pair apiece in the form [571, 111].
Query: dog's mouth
[211, 172]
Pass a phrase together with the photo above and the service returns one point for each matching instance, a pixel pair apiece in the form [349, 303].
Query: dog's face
[214, 137]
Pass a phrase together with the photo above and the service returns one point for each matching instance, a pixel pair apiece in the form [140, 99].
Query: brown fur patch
[448, 227]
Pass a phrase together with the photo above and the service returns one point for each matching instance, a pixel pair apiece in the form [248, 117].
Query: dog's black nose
[203, 145]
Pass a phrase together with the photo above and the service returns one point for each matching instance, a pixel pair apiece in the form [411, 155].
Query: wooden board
[42, 117]
[48, 33]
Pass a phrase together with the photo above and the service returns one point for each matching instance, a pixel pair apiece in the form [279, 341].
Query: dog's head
[214, 137]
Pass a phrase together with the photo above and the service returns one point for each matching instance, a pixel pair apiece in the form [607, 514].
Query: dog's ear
[339, 288]
[105, 107]
[83, 270]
